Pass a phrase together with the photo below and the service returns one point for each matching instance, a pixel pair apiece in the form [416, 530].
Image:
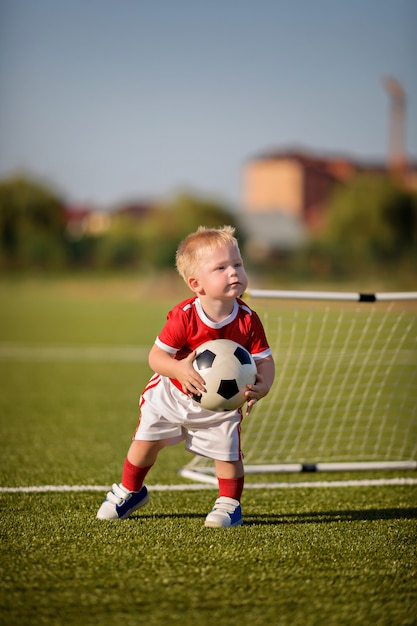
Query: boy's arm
[264, 379]
[164, 363]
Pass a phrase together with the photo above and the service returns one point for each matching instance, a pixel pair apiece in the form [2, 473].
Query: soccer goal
[345, 392]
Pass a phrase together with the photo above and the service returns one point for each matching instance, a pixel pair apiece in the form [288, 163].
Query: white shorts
[167, 413]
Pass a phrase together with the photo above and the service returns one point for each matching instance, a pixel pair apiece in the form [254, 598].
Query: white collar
[208, 322]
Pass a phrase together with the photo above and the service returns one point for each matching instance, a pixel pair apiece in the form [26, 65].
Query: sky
[114, 101]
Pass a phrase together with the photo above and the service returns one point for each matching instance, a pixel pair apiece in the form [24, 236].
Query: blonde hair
[196, 245]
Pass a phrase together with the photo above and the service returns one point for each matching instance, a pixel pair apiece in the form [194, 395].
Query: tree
[32, 225]
[151, 240]
[371, 223]
[168, 224]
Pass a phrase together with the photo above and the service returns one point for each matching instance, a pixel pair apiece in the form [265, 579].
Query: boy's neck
[216, 310]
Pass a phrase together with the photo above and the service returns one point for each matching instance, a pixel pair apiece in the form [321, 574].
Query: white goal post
[345, 392]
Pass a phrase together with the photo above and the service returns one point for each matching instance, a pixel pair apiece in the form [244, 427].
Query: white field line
[375, 482]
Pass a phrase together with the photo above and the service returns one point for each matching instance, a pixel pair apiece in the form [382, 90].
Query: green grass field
[72, 365]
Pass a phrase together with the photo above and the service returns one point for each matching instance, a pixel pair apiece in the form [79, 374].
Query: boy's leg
[139, 460]
[227, 511]
[231, 478]
[145, 452]
[131, 494]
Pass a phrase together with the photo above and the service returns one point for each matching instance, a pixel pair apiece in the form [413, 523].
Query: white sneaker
[120, 503]
[226, 512]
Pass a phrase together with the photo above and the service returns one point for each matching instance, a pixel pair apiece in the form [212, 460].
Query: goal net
[345, 391]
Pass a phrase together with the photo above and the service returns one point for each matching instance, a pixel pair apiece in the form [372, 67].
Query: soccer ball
[227, 367]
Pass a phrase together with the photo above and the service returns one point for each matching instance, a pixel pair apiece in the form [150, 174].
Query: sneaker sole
[218, 525]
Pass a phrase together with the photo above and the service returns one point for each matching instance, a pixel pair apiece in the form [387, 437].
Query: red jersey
[187, 327]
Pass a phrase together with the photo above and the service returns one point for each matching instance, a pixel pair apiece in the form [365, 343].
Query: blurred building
[88, 221]
[82, 221]
[285, 193]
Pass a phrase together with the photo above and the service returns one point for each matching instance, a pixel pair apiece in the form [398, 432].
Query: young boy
[210, 263]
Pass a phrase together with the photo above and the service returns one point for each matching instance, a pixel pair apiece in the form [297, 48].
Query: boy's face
[221, 274]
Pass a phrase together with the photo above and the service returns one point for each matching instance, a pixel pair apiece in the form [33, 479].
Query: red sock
[133, 475]
[231, 487]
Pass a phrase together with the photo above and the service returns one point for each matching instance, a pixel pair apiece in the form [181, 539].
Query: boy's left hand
[255, 392]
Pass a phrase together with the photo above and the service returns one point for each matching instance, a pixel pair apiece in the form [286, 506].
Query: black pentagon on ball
[228, 388]
[242, 355]
[205, 359]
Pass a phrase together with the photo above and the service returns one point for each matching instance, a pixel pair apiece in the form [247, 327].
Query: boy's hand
[164, 363]
[190, 379]
[255, 392]
[263, 382]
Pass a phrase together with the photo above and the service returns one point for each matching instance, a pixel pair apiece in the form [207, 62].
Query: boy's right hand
[165, 364]
[191, 381]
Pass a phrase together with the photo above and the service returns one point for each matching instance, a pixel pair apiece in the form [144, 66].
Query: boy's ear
[194, 285]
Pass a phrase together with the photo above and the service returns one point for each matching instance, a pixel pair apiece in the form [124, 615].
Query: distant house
[285, 193]
[81, 221]
[84, 220]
